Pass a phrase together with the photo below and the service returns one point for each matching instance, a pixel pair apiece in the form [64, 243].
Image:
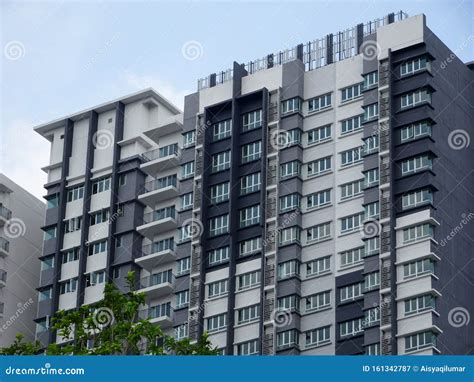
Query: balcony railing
[164, 310]
[156, 279]
[152, 248]
[5, 212]
[161, 152]
[154, 216]
[158, 184]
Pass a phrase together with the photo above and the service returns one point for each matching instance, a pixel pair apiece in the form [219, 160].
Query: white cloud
[136, 81]
[23, 154]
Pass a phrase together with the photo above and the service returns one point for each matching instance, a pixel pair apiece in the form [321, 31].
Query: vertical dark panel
[359, 36]
[329, 49]
[83, 250]
[67, 149]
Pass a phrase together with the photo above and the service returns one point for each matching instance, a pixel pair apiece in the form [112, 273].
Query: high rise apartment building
[303, 203]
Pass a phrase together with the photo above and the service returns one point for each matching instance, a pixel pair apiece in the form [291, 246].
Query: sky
[59, 57]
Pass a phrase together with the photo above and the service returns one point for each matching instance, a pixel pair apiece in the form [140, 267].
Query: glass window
[183, 266]
[415, 131]
[72, 225]
[318, 301]
[371, 178]
[318, 337]
[218, 255]
[68, 286]
[75, 193]
[101, 185]
[187, 170]
[251, 246]
[182, 299]
[352, 189]
[318, 232]
[248, 314]
[290, 202]
[287, 339]
[352, 256]
[371, 112]
[289, 235]
[288, 303]
[371, 144]
[319, 199]
[350, 292]
[47, 263]
[351, 223]
[320, 166]
[220, 193]
[250, 183]
[288, 269]
[248, 280]
[218, 288]
[414, 66]
[219, 225]
[221, 161]
[251, 151]
[319, 266]
[371, 281]
[351, 124]
[250, 216]
[370, 80]
[98, 217]
[417, 198]
[291, 105]
[351, 92]
[216, 323]
[189, 138]
[221, 130]
[415, 98]
[252, 120]
[320, 134]
[419, 163]
[351, 156]
[248, 348]
[417, 232]
[420, 341]
[70, 255]
[52, 201]
[419, 304]
[186, 201]
[418, 268]
[290, 169]
[97, 247]
[49, 233]
[319, 103]
[351, 328]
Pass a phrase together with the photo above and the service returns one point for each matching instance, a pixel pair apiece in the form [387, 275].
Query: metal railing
[158, 184]
[161, 214]
[157, 279]
[160, 153]
[157, 311]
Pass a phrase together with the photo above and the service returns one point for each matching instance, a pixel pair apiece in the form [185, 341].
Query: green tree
[113, 327]
[19, 347]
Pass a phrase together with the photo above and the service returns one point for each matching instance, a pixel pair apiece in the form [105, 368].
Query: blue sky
[74, 54]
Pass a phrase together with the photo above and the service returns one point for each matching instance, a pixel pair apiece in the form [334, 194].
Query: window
[291, 105]
[168, 150]
[371, 112]
[70, 255]
[162, 213]
[115, 273]
[290, 137]
[319, 199]
[290, 169]
[371, 281]
[415, 131]
[250, 183]
[351, 156]
[97, 247]
[185, 233]
[75, 193]
[419, 304]
[414, 66]
[351, 223]
[290, 303]
[163, 245]
[248, 314]
[419, 163]
[52, 201]
[318, 267]
[418, 268]
[351, 328]
[415, 98]
[219, 225]
[318, 301]
[372, 317]
[186, 201]
[352, 257]
[320, 166]
[221, 130]
[350, 292]
[182, 299]
[351, 124]
[160, 278]
[187, 170]
[287, 339]
[249, 216]
[183, 266]
[352, 189]
[288, 269]
[251, 151]
[371, 178]
[218, 288]
[189, 138]
[95, 278]
[370, 80]
[49, 233]
[166, 181]
[101, 185]
[248, 348]
[289, 235]
[290, 202]
[319, 103]
[162, 310]
[351, 92]
[221, 161]
[371, 144]
[122, 180]
[42, 325]
[420, 341]
[371, 210]
[181, 332]
[318, 232]
[220, 193]
[250, 247]
[318, 337]
[73, 224]
[216, 323]
[45, 294]
[218, 255]
[248, 280]
[252, 120]
[417, 232]
[98, 217]
[47, 263]
[372, 246]
[68, 286]
[319, 135]
[373, 349]
[417, 198]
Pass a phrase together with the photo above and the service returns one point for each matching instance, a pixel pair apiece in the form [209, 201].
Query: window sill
[312, 242]
[411, 107]
[317, 275]
[257, 286]
[311, 176]
[353, 164]
[353, 197]
[317, 310]
[314, 112]
[352, 100]
[318, 208]
[351, 266]
[322, 141]
[352, 132]
[247, 323]
[415, 139]
[214, 298]
[314, 346]
[418, 277]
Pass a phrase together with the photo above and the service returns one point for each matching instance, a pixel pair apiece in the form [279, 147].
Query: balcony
[158, 160]
[159, 314]
[3, 278]
[170, 125]
[4, 247]
[152, 256]
[158, 222]
[5, 214]
[157, 191]
[157, 285]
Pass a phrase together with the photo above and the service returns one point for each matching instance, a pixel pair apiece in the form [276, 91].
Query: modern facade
[301, 203]
[21, 216]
